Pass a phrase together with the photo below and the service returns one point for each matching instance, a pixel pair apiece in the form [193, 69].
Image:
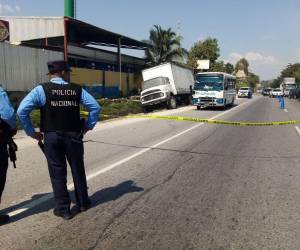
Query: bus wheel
[232, 103]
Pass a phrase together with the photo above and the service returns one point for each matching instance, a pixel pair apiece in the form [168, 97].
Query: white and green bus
[214, 89]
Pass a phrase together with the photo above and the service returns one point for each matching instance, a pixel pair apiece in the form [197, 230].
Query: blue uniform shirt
[37, 98]
[7, 112]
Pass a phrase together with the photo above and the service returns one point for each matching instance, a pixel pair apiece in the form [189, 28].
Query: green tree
[242, 64]
[218, 66]
[204, 50]
[165, 46]
[229, 68]
[253, 80]
[291, 70]
[276, 82]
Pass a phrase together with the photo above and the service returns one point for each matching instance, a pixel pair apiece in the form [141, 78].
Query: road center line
[47, 197]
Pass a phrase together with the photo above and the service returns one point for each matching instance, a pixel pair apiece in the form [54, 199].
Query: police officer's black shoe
[66, 215]
[4, 219]
[85, 206]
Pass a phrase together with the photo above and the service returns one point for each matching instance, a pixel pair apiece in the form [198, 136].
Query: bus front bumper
[208, 102]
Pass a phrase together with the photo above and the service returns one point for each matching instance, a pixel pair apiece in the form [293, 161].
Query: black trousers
[3, 167]
[59, 148]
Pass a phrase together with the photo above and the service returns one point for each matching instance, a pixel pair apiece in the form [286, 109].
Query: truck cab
[155, 90]
[167, 84]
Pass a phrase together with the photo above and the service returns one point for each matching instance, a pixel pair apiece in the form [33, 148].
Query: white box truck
[288, 83]
[167, 83]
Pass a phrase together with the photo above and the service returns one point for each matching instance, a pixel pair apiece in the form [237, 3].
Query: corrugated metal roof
[30, 28]
[36, 28]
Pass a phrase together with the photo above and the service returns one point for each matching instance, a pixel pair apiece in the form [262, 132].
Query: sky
[265, 32]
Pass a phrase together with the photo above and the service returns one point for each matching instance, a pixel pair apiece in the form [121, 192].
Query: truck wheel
[198, 107]
[172, 103]
[225, 104]
[147, 109]
[188, 100]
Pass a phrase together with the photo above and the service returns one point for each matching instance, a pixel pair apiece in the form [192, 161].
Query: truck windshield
[155, 82]
[209, 82]
[290, 86]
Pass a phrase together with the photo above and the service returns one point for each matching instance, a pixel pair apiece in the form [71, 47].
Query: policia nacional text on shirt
[62, 132]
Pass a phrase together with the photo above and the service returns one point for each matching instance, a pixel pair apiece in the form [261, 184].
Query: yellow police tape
[202, 120]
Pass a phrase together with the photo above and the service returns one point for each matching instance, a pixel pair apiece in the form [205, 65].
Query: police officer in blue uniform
[62, 130]
[8, 128]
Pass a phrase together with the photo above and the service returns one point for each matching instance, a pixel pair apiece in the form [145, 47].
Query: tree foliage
[242, 64]
[291, 70]
[229, 68]
[220, 66]
[204, 50]
[165, 46]
[253, 80]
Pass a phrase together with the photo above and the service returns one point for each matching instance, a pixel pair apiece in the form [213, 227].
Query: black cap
[58, 66]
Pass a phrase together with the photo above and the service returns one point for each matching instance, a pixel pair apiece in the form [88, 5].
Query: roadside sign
[202, 64]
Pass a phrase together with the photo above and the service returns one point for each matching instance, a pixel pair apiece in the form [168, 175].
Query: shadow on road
[25, 205]
[100, 197]
[112, 193]
[217, 108]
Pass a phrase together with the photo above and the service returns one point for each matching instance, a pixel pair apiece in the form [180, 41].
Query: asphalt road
[159, 184]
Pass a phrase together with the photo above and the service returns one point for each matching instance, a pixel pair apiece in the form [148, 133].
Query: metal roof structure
[52, 31]
[60, 33]
[83, 33]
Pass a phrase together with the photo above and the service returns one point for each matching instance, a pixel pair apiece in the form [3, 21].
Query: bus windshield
[209, 82]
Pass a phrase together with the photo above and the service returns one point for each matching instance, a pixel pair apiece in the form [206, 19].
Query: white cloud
[234, 57]
[266, 66]
[9, 9]
[257, 57]
[253, 57]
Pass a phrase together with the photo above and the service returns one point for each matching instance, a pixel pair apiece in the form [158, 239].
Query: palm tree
[165, 46]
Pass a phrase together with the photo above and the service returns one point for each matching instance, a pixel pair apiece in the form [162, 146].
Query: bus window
[226, 83]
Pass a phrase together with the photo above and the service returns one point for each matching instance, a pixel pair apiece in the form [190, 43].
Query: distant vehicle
[167, 83]
[287, 85]
[266, 92]
[294, 93]
[214, 89]
[276, 92]
[245, 92]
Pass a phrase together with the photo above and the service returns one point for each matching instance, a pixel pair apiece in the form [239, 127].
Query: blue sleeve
[92, 107]
[7, 112]
[35, 99]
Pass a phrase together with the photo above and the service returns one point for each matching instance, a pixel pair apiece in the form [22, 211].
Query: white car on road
[276, 93]
[245, 92]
